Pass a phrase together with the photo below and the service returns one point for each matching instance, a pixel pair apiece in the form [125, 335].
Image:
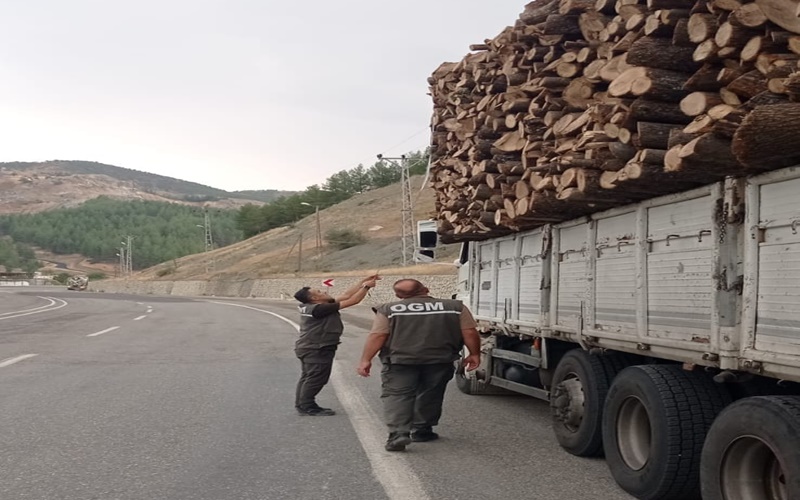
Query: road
[121, 397]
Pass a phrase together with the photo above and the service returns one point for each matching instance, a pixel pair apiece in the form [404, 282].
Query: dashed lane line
[391, 470]
[95, 334]
[143, 316]
[11, 361]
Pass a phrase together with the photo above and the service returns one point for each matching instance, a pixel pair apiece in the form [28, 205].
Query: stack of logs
[584, 105]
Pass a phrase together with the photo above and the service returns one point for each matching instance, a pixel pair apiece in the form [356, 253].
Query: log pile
[584, 105]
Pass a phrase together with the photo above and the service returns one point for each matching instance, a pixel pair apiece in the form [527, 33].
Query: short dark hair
[303, 295]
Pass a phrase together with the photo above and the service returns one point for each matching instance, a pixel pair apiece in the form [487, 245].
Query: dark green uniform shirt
[422, 330]
[320, 326]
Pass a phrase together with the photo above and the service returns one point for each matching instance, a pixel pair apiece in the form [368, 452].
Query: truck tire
[472, 385]
[751, 451]
[654, 423]
[580, 385]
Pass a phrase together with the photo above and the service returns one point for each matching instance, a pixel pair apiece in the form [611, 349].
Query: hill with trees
[17, 256]
[341, 186]
[161, 231]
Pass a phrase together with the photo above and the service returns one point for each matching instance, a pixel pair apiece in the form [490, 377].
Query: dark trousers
[316, 365]
[413, 394]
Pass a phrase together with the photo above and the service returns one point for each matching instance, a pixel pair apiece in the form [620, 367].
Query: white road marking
[140, 317]
[11, 361]
[52, 302]
[140, 303]
[95, 334]
[49, 307]
[149, 310]
[390, 469]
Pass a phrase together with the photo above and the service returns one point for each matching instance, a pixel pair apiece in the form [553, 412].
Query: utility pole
[121, 267]
[407, 212]
[126, 255]
[300, 253]
[318, 231]
[208, 239]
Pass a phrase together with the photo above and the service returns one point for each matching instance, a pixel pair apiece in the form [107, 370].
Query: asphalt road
[110, 397]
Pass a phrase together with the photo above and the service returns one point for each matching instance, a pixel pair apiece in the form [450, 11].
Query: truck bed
[710, 276]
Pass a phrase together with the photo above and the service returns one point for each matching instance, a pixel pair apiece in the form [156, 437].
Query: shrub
[96, 276]
[344, 238]
[62, 278]
[163, 272]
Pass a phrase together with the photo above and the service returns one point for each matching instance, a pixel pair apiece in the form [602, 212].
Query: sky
[235, 94]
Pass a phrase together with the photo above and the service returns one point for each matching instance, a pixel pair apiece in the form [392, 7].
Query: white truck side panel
[615, 280]
[506, 277]
[569, 276]
[662, 276]
[531, 262]
[679, 268]
[774, 268]
[485, 291]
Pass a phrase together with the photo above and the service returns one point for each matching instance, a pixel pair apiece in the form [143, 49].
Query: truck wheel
[654, 423]
[580, 385]
[751, 451]
[473, 386]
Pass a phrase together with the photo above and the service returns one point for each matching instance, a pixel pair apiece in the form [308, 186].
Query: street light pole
[318, 231]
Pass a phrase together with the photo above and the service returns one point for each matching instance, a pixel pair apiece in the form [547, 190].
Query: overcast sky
[236, 94]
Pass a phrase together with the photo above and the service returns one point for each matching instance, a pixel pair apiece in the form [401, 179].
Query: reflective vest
[422, 330]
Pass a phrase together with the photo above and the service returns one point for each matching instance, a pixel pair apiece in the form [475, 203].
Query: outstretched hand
[371, 278]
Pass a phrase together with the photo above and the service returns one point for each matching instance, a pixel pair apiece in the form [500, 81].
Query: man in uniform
[320, 333]
[418, 337]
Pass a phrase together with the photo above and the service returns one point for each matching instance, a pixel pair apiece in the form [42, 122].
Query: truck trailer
[665, 335]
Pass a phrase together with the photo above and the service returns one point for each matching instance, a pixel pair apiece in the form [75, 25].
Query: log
[575, 6]
[754, 46]
[661, 53]
[661, 85]
[748, 85]
[781, 12]
[702, 27]
[680, 37]
[537, 11]
[653, 135]
[655, 111]
[767, 138]
[652, 156]
[621, 151]
[697, 103]
[704, 79]
[678, 137]
[750, 15]
[556, 24]
[730, 35]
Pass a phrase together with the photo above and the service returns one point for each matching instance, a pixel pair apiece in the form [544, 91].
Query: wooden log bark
[655, 111]
[748, 85]
[654, 135]
[661, 53]
[767, 138]
[781, 12]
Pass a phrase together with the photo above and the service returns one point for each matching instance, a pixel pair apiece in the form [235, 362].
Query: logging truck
[664, 334]
[79, 283]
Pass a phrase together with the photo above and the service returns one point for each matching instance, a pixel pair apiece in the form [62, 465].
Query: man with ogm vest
[321, 329]
[418, 337]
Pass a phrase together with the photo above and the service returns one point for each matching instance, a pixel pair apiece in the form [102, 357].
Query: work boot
[397, 441]
[423, 435]
[315, 412]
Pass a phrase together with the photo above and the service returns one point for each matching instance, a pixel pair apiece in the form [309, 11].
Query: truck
[79, 283]
[664, 334]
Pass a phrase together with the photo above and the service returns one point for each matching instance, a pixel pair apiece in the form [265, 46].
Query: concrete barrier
[278, 288]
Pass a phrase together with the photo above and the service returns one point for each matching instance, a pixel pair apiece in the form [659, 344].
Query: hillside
[375, 213]
[34, 187]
